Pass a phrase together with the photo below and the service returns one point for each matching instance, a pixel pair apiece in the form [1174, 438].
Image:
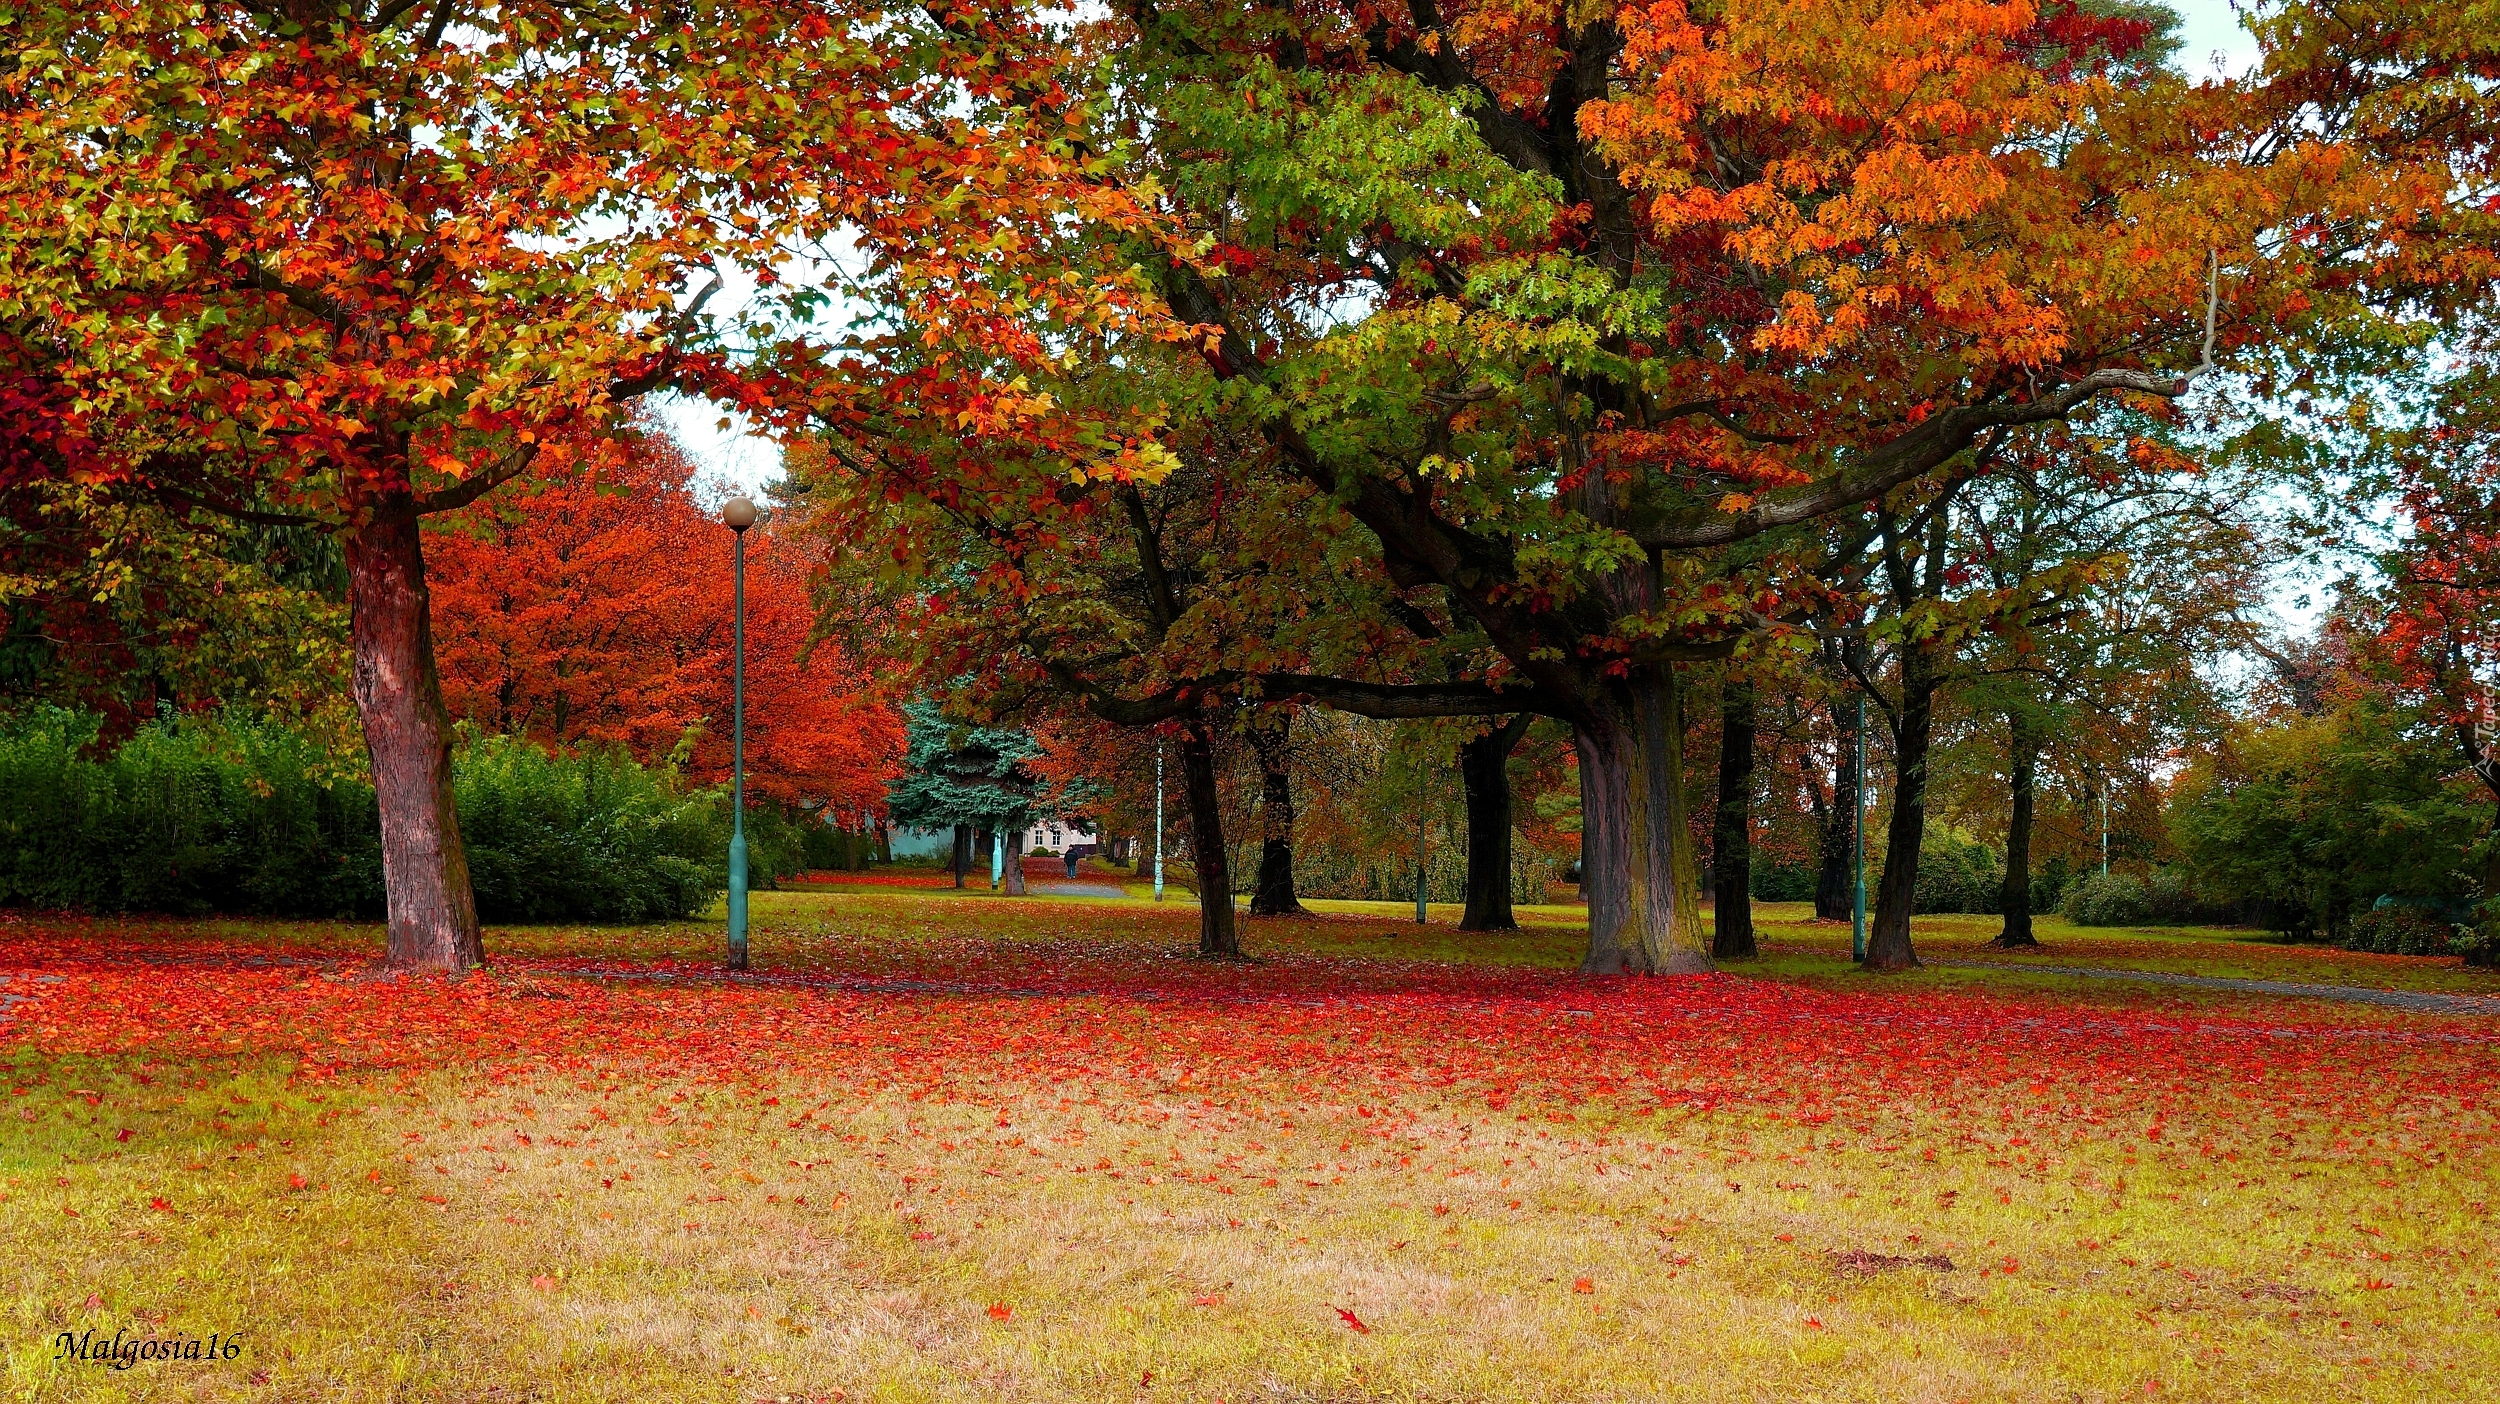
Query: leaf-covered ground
[952, 1147]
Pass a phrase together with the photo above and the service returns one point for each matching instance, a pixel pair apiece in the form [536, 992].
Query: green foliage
[2107, 899]
[1957, 873]
[2050, 879]
[591, 837]
[2401, 929]
[2164, 896]
[1783, 882]
[252, 818]
[958, 774]
[2315, 817]
[182, 818]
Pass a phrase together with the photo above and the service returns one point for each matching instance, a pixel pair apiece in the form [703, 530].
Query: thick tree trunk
[1731, 846]
[1888, 936]
[399, 697]
[1636, 854]
[2023, 756]
[1217, 935]
[1836, 878]
[885, 842]
[1484, 772]
[1014, 840]
[963, 852]
[1273, 895]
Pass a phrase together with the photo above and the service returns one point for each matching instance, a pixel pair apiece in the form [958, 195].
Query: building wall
[922, 845]
[1058, 835]
[935, 845]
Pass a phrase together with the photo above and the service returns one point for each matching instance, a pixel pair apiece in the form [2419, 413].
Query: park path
[2418, 1001]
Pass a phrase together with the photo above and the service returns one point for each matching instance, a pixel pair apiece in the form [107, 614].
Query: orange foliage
[598, 613]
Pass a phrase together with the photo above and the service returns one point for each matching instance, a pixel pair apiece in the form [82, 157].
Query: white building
[1059, 835]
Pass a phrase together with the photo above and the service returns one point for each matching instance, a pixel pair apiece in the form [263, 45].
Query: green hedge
[2402, 929]
[2163, 897]
[195, 817]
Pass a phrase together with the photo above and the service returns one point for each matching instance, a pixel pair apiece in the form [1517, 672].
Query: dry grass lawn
[966, 1148]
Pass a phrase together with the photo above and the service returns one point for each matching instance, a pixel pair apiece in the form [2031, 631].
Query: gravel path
[2419, 1001]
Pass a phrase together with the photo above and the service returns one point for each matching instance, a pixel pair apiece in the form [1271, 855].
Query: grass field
[954, 1146]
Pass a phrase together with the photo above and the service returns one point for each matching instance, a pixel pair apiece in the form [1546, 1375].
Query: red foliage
[598, 613]
[1377, 1032]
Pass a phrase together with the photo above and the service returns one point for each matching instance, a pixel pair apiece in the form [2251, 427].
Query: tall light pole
[1423, 776]
[1158, 821]
[738, 514]
[1857, 842]
[2105, 826]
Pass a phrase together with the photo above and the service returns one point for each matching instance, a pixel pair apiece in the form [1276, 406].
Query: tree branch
[1930, 442]
[468, 490]
[1406, 700]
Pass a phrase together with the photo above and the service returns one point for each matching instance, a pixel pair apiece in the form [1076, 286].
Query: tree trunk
[2023, 755]
[1484, 772]
[1014, 840]
[885, 842]
[1636, 853]
[1216, 933]
[1836, 878]
[1273, 895]
[399, 697]
[963, 852]
[1888, 936]
[1731, 842]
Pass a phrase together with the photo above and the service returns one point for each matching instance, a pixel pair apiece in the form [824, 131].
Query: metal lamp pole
[738, 514]
[1423, 776]
[2105, 827]
[1857, 842]
[1158, 821]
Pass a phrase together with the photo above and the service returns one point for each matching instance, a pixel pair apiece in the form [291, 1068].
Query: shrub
[2401, 929]
[2049, 880]
[593, 837]
[2107, 899]
[185, 819]
[1957, 873]
[1784, 882]
[193, 817]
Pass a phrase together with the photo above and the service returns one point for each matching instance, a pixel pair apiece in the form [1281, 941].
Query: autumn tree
[1594, 320]
[1182, 598]
[351, 266]
[2108, 674]
[589, 612]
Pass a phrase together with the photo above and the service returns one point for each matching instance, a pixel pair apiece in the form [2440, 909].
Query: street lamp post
[1857, 842]
[1422, 778]
[1158, 821]
[738, 514]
